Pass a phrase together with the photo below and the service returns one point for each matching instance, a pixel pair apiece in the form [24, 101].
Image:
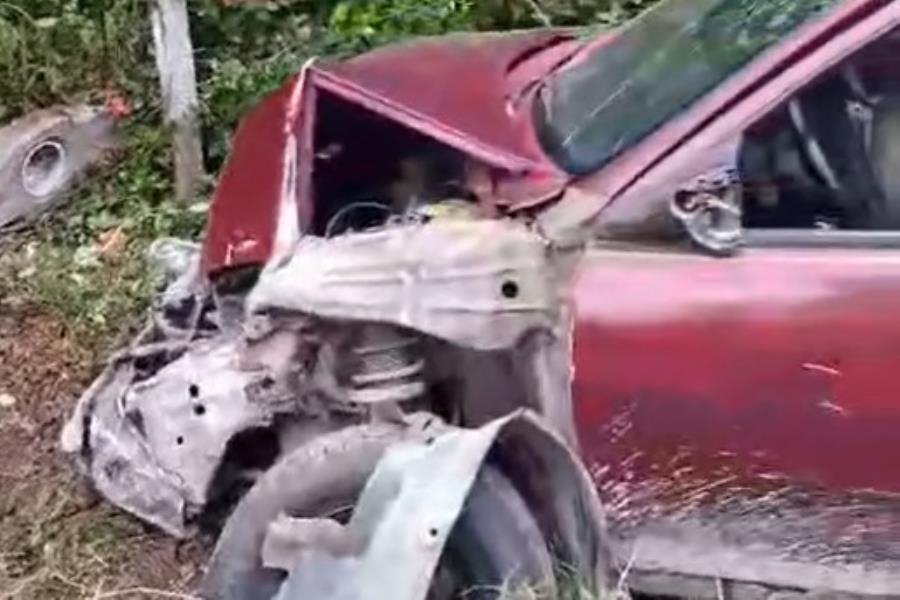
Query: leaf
[46, 22]
[340, 13]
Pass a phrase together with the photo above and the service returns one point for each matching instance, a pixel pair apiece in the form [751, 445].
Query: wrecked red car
[555, 309]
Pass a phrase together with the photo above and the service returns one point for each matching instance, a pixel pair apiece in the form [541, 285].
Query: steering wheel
[832, 120]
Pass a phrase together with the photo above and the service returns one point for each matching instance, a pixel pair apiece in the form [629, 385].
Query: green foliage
[515, 14]
[65, 51]
[62, 264]
[355, 26]
[134, 197]
[242, 54]
[591, 12]
[57, 51]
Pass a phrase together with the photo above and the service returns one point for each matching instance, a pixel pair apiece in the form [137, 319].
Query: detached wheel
[495, 544]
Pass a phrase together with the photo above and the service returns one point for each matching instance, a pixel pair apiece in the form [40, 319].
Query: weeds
[56, 547]
[62, 51]
[568, 585]
[86, 263]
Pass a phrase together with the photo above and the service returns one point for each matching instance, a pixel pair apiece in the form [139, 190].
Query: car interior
[830, 158]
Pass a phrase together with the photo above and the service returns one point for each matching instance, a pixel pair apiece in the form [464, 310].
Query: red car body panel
[704, 388]
[486, 113]
[244, 211]
[745, 405]
[460, 86]
[474, 102]
[754, 365]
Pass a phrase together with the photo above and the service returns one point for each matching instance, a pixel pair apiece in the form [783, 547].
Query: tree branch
[542, 16]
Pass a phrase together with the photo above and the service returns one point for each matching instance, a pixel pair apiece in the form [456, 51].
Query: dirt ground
[57, 539]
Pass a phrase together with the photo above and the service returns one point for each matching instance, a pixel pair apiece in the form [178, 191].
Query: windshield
[659, 65]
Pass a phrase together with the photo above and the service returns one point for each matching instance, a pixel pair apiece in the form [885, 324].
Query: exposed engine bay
[404, 301]
[363, 325]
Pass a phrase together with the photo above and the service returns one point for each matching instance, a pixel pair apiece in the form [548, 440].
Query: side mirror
[711, 217]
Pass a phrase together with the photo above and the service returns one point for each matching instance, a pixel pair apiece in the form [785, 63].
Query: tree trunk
[178, 79]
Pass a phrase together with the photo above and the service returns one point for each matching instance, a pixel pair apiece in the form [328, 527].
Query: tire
[43, 154]
[495, 542]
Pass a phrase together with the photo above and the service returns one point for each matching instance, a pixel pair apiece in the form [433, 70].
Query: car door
[738, 413]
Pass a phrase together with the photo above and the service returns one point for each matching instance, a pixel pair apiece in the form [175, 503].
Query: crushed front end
[361, 273]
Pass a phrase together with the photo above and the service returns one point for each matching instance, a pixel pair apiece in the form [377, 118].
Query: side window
[829, 159]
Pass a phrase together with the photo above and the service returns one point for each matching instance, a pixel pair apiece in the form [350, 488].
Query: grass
[73, 287]
[55, 548]
[569, 586]
[58, 540]
[86, 263]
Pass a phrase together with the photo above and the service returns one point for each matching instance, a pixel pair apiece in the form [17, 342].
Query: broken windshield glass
[658, 66]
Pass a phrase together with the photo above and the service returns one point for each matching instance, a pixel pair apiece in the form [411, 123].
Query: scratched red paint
[244, 210]
[713, 355]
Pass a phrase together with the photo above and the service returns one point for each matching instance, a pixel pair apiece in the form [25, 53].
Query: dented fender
[416, 494]
[485, 289]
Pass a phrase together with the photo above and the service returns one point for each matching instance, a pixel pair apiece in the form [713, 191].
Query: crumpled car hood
[465, 83]
[477, 100]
